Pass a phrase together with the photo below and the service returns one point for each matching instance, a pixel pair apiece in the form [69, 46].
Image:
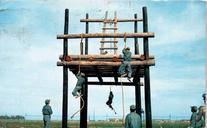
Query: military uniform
[47, 112]
[125, 66]
[133, 120]
[193, 117]
[200, 117]
[79, 84]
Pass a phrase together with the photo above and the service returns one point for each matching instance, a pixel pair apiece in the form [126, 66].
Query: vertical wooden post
[86, 39]
[84, 111]
[136, 45]
[147, 73]
[65, 75]
[137, 86]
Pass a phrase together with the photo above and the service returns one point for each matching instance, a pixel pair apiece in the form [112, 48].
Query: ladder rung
[113, 28]
[108, 48]
[110, 21]
[109, 41]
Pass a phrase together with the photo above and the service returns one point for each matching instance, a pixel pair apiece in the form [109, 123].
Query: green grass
[92, 124]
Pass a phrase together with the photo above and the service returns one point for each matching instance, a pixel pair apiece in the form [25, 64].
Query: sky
[29, 51]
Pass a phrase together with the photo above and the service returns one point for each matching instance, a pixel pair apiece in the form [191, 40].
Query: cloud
[182, 28]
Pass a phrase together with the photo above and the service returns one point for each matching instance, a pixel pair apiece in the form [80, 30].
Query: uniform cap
[204, 95]
[132, 107]
[47, 101]
[194, 108]
[127, 48]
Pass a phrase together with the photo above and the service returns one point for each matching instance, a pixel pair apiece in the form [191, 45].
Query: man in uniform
[193, 116]
[125, 67]
[47, 112]
[200, 118]
[79, 85]
[133, 120]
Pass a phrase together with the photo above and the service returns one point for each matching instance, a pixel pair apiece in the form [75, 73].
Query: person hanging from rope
[79, 85]
[110, 100]
[125, 67]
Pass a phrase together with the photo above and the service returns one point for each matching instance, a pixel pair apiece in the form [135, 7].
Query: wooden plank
[112, 83]
[110, 28]
[150, 62]
[106, 35]
[108, 41]
[109, 20]
[139, 57]
[108, 48]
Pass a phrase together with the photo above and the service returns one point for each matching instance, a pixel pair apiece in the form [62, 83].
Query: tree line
[17, 117]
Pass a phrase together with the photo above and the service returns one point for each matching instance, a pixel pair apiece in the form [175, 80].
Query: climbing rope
[123, 109]
[80, 108]
[81, 44]
[125, 40]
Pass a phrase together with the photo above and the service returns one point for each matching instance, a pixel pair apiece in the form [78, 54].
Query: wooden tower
[107, 65]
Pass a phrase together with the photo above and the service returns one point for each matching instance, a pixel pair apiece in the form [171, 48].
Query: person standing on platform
[47, 112]
[133, 120]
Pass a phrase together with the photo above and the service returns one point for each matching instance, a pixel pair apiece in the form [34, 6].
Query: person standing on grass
[133, 120]
[200, 118]
[193, 117]
[47, 112]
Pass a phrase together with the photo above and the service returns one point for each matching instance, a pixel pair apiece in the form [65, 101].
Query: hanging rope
[80, 108]
[123, 109]
[81, 48]
[125, 40]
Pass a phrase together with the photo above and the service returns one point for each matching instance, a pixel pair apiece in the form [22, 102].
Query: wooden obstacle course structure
[107, 65]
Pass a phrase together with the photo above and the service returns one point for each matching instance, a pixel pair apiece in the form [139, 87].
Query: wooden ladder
[103, 49]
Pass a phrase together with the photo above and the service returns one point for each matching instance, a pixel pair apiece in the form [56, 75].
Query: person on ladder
[125, 67]
[81, 81]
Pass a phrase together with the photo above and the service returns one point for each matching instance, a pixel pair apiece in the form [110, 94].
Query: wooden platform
[104, 65]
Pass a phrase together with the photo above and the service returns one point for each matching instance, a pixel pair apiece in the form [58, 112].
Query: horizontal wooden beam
[139, 57]
[112, 83]
[110, 20]
[149, 62]
[106, 35]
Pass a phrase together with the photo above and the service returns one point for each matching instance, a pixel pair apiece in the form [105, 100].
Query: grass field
[91, 124]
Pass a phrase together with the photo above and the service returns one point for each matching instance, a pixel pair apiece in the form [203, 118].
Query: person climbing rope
[125, 67]
[81, 81]
[110, 100]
